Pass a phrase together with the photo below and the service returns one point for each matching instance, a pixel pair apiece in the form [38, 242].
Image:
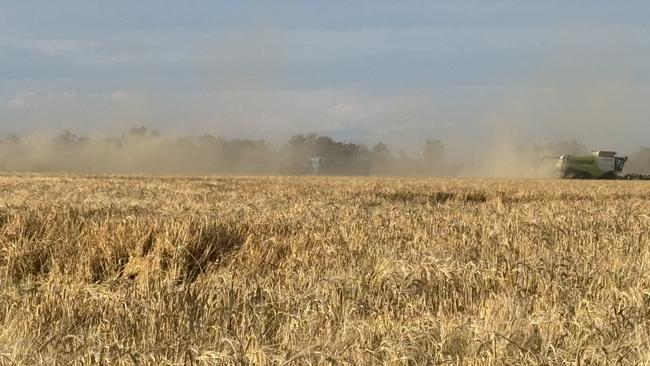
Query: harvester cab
[598, 165]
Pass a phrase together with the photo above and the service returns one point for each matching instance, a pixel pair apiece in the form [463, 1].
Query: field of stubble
[340, 271]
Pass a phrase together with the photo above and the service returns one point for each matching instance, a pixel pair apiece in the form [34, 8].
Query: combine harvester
[598, 165]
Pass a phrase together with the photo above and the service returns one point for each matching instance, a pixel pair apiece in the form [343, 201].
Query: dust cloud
[566, 108]
[576, 103]
[138, 152]
[143, 151]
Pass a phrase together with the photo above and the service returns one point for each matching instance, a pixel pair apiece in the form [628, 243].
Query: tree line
[140, 150]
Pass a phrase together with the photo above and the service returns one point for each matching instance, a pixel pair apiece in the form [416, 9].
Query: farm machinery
[598, 165]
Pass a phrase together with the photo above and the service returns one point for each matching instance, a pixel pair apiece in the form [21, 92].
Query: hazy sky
[397, 71]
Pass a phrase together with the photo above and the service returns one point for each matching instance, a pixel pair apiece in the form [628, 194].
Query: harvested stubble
[126, 270]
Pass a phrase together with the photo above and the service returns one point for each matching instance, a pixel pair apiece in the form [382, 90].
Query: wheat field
[322, 271]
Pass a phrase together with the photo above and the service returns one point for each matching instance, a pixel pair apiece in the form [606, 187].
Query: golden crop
[341, 271]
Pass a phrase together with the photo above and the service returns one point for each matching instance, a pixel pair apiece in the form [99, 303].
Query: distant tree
[380, 152]
[11, 139]
[208, 140]
[300, 148]
[66, 138]
[404, 158]
[142, 132]
[433, 156]
[381, 159]
[433, 151]
[113, 141]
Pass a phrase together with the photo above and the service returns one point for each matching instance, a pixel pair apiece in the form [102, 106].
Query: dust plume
[566, 110]
[579, 100]
[139, 151]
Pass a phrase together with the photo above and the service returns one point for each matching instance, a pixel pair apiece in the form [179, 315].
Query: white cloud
[28, 99]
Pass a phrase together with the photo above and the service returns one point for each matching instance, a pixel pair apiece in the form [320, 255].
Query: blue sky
[464, 71]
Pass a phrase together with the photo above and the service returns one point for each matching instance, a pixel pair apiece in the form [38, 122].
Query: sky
[472, 73]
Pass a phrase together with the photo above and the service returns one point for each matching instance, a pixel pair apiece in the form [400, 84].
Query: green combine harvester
[598, 165]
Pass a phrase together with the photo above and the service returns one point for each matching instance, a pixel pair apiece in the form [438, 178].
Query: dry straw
[323, 271]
